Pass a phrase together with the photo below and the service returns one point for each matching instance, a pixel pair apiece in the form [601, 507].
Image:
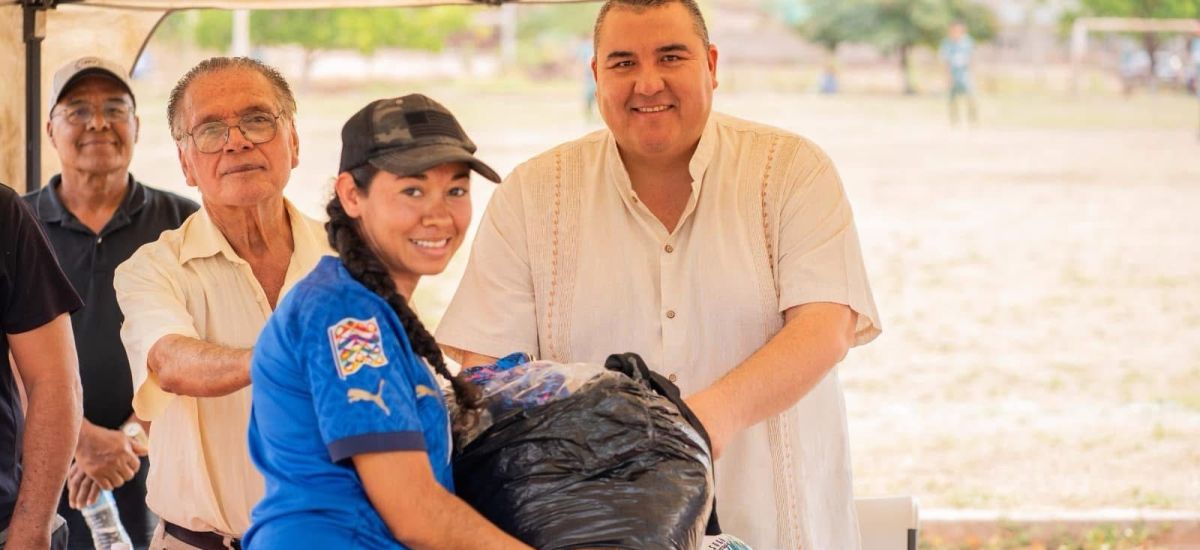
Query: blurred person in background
[1195, 54]
[827, 81]
[96, 214]
[1128, 69]
[956, 51]
[583, 63]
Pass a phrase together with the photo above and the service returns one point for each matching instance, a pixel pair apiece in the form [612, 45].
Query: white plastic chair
[888, 523]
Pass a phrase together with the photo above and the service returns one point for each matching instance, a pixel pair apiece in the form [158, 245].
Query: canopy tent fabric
[164, 5]
[71, 31]
[116, 29]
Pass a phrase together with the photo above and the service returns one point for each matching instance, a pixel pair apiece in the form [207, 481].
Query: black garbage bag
[613, 465]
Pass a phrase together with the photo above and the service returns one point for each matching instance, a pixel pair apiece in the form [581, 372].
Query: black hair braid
[366, 268]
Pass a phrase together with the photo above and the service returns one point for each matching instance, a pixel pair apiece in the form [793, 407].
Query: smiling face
[98, 145]
[242, 173]
[413, 224]
[654, 80]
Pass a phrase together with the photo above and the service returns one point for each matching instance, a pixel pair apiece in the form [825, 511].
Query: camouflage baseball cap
[407, 136]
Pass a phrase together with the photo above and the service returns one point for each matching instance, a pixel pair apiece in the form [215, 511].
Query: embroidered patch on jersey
[356, 343]
[355, 395]
[425, 391]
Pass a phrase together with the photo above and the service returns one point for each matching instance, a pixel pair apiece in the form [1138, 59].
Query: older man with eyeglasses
[196, 299]
[96, 214]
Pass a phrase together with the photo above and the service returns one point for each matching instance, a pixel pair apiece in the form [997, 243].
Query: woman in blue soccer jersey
[348, 425]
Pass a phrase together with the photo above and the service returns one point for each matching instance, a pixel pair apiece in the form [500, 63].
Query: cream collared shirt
[190, 282]
[569, 265]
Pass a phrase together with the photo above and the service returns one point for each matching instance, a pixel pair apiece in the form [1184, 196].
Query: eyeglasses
[256, 127]
[82, 114]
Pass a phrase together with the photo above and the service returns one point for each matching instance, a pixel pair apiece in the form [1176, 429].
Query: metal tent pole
[35, 31]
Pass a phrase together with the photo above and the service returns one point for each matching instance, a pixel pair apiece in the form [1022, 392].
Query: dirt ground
[1038, 278]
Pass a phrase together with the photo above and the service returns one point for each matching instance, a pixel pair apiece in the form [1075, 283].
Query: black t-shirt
[89, 261]
[33, 291]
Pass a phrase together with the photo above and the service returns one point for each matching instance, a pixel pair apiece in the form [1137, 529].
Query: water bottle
[105, 524]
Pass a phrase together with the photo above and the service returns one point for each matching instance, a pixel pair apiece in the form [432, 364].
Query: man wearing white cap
[96, 215]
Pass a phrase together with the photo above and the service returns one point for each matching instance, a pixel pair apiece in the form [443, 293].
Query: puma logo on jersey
[425, 391]
[356, 395]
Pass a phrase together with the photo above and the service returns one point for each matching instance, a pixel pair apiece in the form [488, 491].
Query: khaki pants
[163, 541]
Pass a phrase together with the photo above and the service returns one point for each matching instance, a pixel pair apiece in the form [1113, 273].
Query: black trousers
[138, 520]
[58, 539]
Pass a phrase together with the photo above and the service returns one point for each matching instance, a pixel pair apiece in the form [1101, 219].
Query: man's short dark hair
[642, 5]
[283, 92]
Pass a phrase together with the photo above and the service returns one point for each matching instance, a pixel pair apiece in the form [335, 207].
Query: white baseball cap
[66, 75]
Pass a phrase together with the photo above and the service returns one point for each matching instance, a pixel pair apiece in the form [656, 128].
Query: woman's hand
[422, 514]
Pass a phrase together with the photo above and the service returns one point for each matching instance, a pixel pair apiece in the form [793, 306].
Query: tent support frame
[34, 33]
[34, 16]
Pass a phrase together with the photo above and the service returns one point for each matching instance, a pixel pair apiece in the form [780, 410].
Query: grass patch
[1150, 499]
[1188, 400]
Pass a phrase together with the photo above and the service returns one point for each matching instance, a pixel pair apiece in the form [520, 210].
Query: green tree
[557, 21]
[364, 30]
[1144, 9]
[549, 36]
[830, 22]
[208, 29]
[825, 22]
[896, 26]
[902, 25]
[211, 29]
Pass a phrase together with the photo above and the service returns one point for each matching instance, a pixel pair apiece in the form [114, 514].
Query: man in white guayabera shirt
[722, 251]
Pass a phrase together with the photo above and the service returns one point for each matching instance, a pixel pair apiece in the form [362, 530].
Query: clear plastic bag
[517, 383]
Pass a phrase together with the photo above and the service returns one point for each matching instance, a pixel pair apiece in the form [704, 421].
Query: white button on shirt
[190, 282]
[570, 266]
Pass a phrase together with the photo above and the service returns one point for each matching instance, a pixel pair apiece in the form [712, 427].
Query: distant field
[1038, 277]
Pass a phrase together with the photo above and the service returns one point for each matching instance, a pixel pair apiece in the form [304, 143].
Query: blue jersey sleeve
[357, 365]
